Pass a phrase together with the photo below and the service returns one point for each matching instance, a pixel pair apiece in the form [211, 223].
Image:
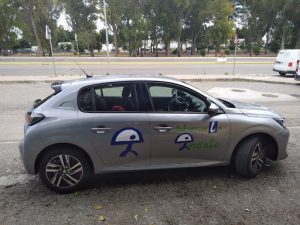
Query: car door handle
[100, 130]
[163, 129]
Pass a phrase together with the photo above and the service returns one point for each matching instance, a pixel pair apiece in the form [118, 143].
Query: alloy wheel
[64, 171]
[258, 157]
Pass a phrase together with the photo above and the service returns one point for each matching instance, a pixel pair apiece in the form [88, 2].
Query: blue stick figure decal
[184, 138]
[213, 127]
[128, 136]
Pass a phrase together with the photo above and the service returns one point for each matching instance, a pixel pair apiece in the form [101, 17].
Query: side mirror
[213, 109]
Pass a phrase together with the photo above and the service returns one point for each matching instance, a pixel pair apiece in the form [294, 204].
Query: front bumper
[282, 141]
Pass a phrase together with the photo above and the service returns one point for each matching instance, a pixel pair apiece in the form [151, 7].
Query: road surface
[12, 66]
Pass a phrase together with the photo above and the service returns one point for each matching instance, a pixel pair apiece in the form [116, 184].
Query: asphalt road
[214, 195]
[12, 66]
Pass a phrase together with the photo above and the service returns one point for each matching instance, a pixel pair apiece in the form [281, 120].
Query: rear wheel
[64, 170]
[282, 73]
[250, 157]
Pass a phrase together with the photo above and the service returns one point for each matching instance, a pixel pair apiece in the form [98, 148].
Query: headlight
[280, 121]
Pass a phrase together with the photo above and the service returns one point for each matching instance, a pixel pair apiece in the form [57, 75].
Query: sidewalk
[250, 78]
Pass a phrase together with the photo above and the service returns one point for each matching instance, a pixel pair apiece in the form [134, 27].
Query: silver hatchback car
[121, 123]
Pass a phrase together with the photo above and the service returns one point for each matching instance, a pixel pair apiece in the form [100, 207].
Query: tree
[133, 29]
[167, 22]
[114, 19]
[37, 14]
[8, 23]
[277, 20]
[150, 14]
[82, 16]
[222, 27]
[182, 11]
[101, 39]
[197, 19]
[62, 35]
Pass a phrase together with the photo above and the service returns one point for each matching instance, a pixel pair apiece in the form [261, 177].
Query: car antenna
[87, 75]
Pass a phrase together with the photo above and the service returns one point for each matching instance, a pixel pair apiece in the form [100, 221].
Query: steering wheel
[177, 103]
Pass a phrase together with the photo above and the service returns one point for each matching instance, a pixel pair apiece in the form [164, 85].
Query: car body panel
[110, 148]
[205, 145]
[132, 143]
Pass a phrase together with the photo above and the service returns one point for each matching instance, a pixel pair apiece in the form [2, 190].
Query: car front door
[181, 129]
[111, 119]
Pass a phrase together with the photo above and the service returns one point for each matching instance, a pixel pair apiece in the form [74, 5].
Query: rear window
[39, 102]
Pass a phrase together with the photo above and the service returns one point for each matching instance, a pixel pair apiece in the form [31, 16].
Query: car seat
[127, 101]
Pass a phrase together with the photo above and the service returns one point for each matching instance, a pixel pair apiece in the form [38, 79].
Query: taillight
[290, 64]
[32, 119]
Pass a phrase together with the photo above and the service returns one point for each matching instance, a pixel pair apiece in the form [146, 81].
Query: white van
[286, 61]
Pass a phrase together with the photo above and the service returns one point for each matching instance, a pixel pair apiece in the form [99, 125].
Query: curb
[181, 77]
[242, 79]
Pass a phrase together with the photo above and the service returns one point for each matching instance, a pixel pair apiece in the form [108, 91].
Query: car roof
[117, 78]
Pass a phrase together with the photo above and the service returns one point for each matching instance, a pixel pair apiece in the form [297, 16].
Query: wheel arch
[269, 142]
[61, 145]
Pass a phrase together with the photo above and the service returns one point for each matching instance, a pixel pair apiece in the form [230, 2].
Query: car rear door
[111, 119]
[184, 133]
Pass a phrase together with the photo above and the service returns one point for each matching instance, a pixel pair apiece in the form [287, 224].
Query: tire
[250, 157]
[55, 169]
[282, 73]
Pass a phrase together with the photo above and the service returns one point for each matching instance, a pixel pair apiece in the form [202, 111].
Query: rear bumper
[284, 71]
[27, 165]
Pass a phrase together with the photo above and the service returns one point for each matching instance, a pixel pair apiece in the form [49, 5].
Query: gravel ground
[213, 195]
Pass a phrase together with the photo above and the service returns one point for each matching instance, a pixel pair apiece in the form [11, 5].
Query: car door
[111, 119]
[181, 129]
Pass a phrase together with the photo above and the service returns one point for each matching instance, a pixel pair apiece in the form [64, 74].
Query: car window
[173, 98]
[114, 97]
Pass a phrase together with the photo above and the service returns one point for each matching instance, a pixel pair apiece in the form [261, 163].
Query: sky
[63, 22]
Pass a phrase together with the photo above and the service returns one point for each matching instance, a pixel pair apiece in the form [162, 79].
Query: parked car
[286, 61]
[121, 123]
[5, 52]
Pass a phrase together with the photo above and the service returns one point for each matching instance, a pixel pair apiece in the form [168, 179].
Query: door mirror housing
[213, 109]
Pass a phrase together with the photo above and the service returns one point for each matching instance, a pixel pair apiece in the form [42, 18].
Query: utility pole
[77, 44]
[106, 33]
[235, 45]
[48, 37]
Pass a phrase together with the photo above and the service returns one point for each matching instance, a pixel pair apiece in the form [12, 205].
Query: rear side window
[39, 102]
[114, 97]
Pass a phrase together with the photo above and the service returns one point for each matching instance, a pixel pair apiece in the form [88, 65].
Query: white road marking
[8, 142]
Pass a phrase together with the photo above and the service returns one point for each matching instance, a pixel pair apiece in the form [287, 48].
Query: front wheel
[64, 170]
[250, 157]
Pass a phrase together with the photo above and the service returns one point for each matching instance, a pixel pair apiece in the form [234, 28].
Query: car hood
[254, 110]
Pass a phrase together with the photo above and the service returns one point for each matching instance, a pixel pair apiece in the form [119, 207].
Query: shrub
[227, 52]
[202, 52]
[256, 50]
[174, 51]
